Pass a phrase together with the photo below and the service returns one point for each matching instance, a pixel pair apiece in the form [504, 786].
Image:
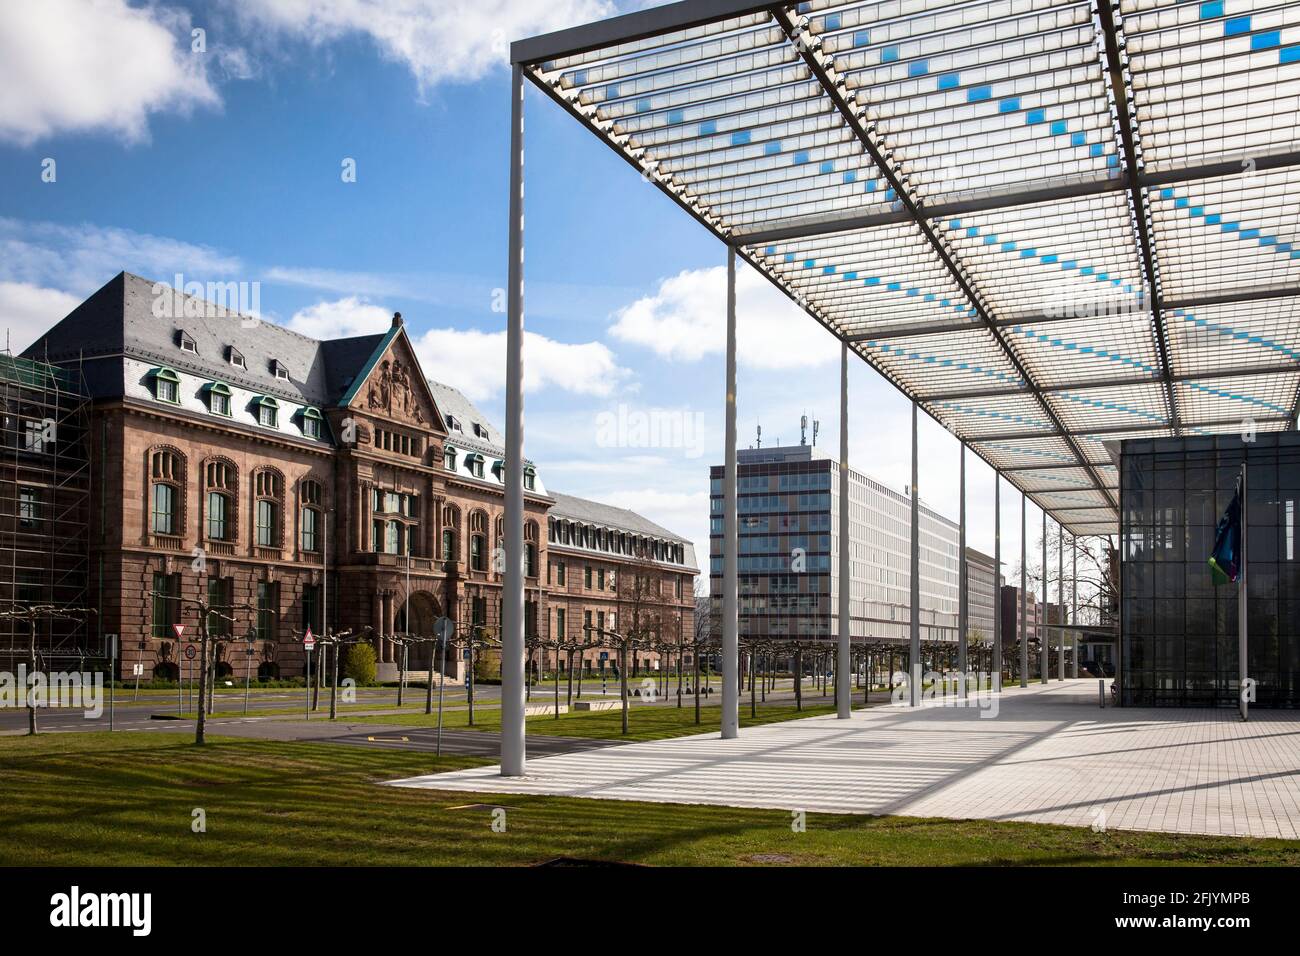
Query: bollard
[1101, 693]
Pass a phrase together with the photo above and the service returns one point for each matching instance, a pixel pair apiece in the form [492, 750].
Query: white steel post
[1044, 655]
[997, 581]
[914, 622]
[512, 604]
[1024, 636]
[844, 700]
[963, 582]
[730, 531]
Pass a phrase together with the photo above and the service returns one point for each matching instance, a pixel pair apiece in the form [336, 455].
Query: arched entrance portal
[417, 616]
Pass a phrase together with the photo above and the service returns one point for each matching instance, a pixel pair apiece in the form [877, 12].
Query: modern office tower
[788, 505]
[984, 586]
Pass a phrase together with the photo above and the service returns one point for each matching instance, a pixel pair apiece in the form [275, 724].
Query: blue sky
[226, 164]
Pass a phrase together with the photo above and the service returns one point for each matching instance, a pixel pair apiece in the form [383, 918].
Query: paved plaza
[1050, 756]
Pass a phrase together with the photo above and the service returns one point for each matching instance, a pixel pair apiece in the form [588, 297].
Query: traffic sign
[137, 670]
[444, 628]
[604, 655]
[189, 652]
[179, 629]
[308, 642]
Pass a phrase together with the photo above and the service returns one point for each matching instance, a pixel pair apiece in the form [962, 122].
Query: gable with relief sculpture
[395, 389]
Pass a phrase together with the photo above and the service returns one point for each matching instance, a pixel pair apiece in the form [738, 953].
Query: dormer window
[449, 458]
[236, 358]
[166, 386]
[280, 370]
[474, 462]
[530, 478]
[267, 410]
[499, 469]
[311, 423]
[453, 424]
[219, 399]
[186, 342]
[480, 431]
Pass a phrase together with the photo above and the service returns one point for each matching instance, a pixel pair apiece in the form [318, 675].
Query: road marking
[389, 740]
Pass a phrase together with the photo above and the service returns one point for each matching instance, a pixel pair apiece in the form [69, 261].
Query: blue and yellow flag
[1225, 559]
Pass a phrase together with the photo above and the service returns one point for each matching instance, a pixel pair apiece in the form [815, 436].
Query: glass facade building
[1178, 630]
[788, 505]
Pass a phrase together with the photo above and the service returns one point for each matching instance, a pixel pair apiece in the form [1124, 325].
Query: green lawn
[645, 721]
[86, 799]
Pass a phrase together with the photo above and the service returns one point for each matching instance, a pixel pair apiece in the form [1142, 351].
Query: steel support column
[914, 616]
[730, 531]
[1043, 655]
[1024, 637]
[997, 581]
[512, 594]
[843, 695]
[1074, 599]
[1060, 602]
[963, 579]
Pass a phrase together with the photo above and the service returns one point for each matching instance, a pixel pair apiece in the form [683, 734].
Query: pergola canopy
[1053, 224]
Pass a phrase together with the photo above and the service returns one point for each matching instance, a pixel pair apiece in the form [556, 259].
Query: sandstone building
[238, 461]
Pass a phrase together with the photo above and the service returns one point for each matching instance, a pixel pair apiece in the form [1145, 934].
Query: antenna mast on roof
[803, 429]
[816, 428]
[760, 436]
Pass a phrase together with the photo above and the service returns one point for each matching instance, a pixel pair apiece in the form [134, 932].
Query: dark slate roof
[595, 512]
[452, 402]
[123, 317]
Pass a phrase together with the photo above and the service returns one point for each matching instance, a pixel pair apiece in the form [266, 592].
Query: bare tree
[208, 613]
[31, 614]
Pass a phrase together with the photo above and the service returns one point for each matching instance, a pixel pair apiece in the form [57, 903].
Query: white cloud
[437, 40]
[685, 320]
[29, 311]
[475, 363]
[342, 318]
[89, 65]
[82, 258]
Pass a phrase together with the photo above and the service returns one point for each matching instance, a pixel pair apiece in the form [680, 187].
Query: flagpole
[1241, 605]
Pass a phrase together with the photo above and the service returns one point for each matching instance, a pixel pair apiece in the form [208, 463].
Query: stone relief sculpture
[390, 391]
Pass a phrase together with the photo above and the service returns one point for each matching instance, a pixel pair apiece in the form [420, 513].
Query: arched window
[449, 458]
[167, 478]
[313, 498]
[268, 495]
[530, 478]
[478, 541]
[450, 527]
[221, 483]
[530, 549]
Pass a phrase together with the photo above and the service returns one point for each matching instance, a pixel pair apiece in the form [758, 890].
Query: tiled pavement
[1050, 756]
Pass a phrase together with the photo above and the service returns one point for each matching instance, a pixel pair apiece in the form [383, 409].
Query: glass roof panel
[991, 260]
[1098, 409]
[1214, 339]
[1074, 257]
[1213, 80]
[955, 90]
[945, 364]
[1236, 232]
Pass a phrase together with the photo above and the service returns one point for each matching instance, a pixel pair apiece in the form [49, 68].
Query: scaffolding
[45, 487]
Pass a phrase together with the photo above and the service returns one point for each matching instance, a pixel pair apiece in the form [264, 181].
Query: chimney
[397, 320]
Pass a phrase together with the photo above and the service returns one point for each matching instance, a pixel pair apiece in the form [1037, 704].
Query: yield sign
[179, 629]
[308, 640]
